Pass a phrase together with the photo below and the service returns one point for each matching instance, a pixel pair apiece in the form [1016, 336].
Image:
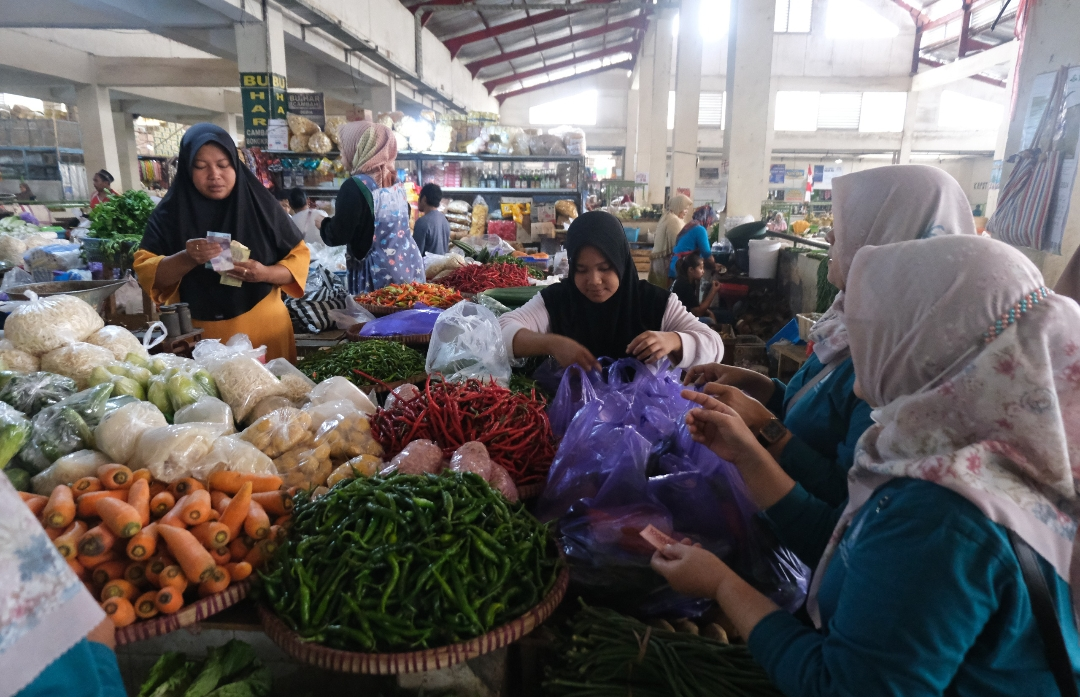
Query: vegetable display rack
[412, 661]
[185, 617]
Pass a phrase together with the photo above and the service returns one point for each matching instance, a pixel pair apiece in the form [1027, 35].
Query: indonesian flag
[809, 180]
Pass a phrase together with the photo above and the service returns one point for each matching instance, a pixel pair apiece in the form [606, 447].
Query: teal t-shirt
[923, 597]
[694, 239]
[88, 669]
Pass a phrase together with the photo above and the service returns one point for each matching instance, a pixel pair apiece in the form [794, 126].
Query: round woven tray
[353, 334]
[381, 310]
[187, 616]
[413, 661]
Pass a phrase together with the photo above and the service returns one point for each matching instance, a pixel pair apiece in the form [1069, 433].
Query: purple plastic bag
[575, 391]
[418, 320]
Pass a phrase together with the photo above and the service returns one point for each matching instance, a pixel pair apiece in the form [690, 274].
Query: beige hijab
[1069, 283]
[671, 223]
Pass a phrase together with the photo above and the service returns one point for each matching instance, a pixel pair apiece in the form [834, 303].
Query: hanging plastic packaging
[467, 343]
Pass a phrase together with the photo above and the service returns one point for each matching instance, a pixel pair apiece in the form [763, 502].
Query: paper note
[657, 539]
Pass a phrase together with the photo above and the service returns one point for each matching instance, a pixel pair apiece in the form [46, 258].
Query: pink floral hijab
[882, 206]
[368, 148]
[974, 374]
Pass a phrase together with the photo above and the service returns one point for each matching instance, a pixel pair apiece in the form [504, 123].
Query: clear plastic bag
[118, 340]
[266, 406]
[306, 468]
[76, 361]
[348, 436]
[418, 457]
[243, 382]
[297, 385]
[338, 388]
[211, 353]
[232, 454]
[17, 360]
[362, 466]
[172, 452]
[64, 427]
[467, 343]
[14, 432]
[163, 362]
[351, 314]
[207, 410]
[280, 431]
[68, 469]
[119, 431]
[33, 392]
[45, 324]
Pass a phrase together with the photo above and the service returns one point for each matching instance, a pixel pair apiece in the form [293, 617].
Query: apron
[394, 256]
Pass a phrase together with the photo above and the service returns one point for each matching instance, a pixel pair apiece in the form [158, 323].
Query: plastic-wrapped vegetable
[64, 427]
[349, 437]
[172, 452]
[363, 466]
[119, 431]
[183, 390]
[163, 362]
[305, 467]
[76, 361]
[207, 410]
[45, 324]
[157, 393]
[266, 406]
[418, 457]
[297, 385]
[118, 340]
[33, 392]
[280, 431]
[16, 360]
[338, 388]
[14, 431]
[76, 465]
[244, 382]
[122, 384]
[232, 454]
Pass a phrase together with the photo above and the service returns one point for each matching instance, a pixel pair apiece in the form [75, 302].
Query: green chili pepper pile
[388, 361]
[406, 561]
[612, 655]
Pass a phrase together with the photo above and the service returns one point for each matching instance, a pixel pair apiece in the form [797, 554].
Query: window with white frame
[711, 109]
[839, 110]
[576, 110]
[792, 16]
[959, 112]
[867, 112]
[882, 112]
[796, 111]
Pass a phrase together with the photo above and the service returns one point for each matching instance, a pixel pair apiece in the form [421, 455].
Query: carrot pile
[514, 427]
[407, 294]
[476, 278]
[146, 548]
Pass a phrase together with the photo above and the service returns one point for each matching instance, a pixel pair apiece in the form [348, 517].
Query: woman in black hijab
[214, 192]
[604, 309]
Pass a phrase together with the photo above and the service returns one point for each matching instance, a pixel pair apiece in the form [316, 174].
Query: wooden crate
[642, 259]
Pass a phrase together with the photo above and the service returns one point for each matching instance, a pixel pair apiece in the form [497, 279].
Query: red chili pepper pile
[514, 427]
[476, 278]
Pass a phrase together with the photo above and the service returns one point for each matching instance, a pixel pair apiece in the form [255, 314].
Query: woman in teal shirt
[971, 461]
[693, 238]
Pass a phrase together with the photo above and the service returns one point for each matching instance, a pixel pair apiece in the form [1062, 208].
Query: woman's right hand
[568, 352]
[751, 382]
[201, 250]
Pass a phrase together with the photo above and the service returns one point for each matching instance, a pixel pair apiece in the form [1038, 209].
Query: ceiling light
[837, 161]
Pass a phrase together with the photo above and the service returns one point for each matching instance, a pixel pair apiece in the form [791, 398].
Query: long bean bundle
[612, 655]
[388, 361]
[407, 561]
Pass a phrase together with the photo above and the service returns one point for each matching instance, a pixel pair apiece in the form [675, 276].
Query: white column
[633, 112]
[687, 95]
[747, 133]
[645, 128]
[227, 121]
[657, 138]
[384, 97]
[126, 150]
[97, 129]
[260, 46]
[908, 135]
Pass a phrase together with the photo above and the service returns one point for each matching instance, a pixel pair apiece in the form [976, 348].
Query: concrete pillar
[227, 121]
[260, 59]
[657, 137]
[126, 150]
[748, 128]
[645, 111]
[633, 111]
[687, 95]
[908, 134]
[384, 97]
[260, 46]
[98, 130]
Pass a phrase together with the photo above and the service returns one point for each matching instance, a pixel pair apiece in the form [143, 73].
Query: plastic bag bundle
[119, 431]
[14, 432]
[305, 467]
[211, 353]
[207, 410]
[336, 389]
[64, 427]
[333, 123]
[118, 340]
[76, 361]
[16, 360]
[350, 314]
[68, 469]
[418, 320]
[297, 385]
[12, 249]
[59, 256]
[172, 452]
[243, 382]
[467, 342]
[45, 324]
[33, 392]
[348, 437]
[280, 431]
[302, 125]
[232, 454]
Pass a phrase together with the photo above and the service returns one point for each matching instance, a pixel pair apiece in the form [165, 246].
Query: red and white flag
[809, 180]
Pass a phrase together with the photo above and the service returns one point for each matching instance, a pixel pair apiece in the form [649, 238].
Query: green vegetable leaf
[175, 685]
[165, 667]
[237, 656]
[121, 220]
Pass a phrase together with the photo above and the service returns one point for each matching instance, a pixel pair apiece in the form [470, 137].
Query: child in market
[690, 269]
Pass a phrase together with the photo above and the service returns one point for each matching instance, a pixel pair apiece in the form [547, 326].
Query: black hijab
[250, 214]
[606, 328]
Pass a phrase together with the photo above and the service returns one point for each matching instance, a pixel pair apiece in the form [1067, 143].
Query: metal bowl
[93, 292]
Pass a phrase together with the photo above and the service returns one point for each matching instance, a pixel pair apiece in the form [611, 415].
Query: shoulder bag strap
[1046, 619]
[812, 382]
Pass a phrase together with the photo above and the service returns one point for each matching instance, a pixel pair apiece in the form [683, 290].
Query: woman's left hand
[650, 347]
[690, 570]
[755, 414]
[250, 272]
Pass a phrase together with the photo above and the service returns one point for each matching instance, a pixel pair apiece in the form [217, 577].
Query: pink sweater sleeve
[700, 343]
[533, 316]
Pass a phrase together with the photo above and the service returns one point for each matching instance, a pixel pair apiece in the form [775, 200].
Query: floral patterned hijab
[974, 373]
[44, 608]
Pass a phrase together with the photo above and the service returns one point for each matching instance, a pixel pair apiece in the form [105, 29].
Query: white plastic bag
[118, 340]
[76, 361]
[329, 411]
[232, 454]
[211, 353]
[118, 433]
[467, 343]
[350, 315]
[207, 410]
[68, 469]
[16, 360]
[45, 324]
[244, 382]
[338, 388]
[297, 385]
[172, 452]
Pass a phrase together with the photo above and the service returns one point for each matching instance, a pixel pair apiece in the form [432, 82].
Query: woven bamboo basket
[381, 310]
[412, 661]
[414, 340]
[187, 616]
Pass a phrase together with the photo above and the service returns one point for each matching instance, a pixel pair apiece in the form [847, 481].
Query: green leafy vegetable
[120, 221]
[168, 664]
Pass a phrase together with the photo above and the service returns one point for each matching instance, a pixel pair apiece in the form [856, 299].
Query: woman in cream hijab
[667, 232]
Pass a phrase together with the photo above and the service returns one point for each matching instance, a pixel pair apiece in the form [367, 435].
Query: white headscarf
[44, 608]
[1002, 429]
[882, 206]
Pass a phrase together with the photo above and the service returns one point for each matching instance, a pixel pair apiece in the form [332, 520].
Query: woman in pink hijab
[372, 212]
[955, 567]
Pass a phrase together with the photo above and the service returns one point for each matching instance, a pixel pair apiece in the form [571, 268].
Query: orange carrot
[169, 600]
[237, 510]
[183, 487]
[221, 555]
[282, 521]
[211, 535]
[85, 485]
[214, 516]
[146, 605]
[139, 499]
[144, 544]
[54, 533]
[217, 582]
[86, 506]
[257, 523]
[97, 540]
[196, 562]
[197, 508]
[230, 482]
[118, 588]
[239, 570]
[274, 502]
[35, 503]
[94, 561]
[154, 567]
[277, 534]
[68, 543]
[143, 474]
[239, 548]
[114, 476]
[108, 571]
[78, 568]
[161, 503]
[119, 611]
[219, 500]
[60, 509]
[121, 518]
[173, 577]
[172, 518]
[261, 553]
[157, 487]
[135, 574]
